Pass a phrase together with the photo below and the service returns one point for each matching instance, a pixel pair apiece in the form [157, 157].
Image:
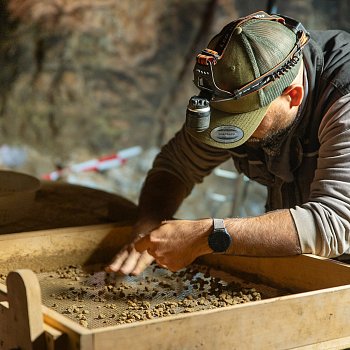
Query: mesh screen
[97, 299]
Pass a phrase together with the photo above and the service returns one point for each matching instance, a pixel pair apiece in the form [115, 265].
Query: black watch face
[219, 241]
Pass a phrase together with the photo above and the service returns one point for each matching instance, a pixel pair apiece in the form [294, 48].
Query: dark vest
[288, 175]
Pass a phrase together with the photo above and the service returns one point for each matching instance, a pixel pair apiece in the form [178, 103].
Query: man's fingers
[125, 261]
[130, 262]
[143, 244]
[144, 261]
[118, 261]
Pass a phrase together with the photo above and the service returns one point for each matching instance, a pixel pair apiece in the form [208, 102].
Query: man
[278, 104]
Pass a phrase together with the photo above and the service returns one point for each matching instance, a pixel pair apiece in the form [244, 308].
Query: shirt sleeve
[188, 159]
[323, 223]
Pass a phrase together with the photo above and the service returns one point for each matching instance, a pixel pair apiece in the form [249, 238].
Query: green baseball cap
[255, 47]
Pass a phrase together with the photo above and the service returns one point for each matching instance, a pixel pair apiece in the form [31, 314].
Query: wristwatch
[219, 239]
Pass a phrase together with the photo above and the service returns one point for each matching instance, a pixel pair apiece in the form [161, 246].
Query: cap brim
[229, 130]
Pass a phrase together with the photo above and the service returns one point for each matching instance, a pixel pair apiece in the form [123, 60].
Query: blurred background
[91, 89]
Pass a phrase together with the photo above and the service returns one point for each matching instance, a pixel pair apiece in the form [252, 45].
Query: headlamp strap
[203, 71]
[212, 56]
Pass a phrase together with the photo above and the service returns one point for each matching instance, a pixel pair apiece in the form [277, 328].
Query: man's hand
[177, 243]
[129, 260]
[161, 195]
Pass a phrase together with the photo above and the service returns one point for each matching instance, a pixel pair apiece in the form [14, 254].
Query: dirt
[96, 299]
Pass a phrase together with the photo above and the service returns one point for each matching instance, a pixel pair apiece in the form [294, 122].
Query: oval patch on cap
[226, 134]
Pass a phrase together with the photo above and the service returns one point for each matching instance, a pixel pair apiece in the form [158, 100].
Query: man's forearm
[161, 196]
[271, 234]
[177, 243]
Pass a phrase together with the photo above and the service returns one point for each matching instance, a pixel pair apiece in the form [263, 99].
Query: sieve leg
[21, 318]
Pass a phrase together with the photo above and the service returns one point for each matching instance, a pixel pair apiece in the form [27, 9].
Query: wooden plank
[4, 324]
[50, 249]
[281, 323]
[55, 339]
[79, 338]
[297, 273]
[59, 231]
[334, 344]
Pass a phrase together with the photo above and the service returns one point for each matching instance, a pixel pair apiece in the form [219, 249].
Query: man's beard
[273, 140]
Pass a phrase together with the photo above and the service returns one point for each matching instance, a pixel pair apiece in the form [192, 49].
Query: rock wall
[91, 74]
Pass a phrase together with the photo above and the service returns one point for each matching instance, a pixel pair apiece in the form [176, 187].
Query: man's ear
[295, 94]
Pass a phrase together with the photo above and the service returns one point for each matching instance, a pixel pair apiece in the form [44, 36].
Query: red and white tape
[98, 164]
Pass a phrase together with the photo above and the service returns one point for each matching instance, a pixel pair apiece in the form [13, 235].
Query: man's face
[277, 122]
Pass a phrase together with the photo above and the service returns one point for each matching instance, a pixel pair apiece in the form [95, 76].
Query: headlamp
[198, 113]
